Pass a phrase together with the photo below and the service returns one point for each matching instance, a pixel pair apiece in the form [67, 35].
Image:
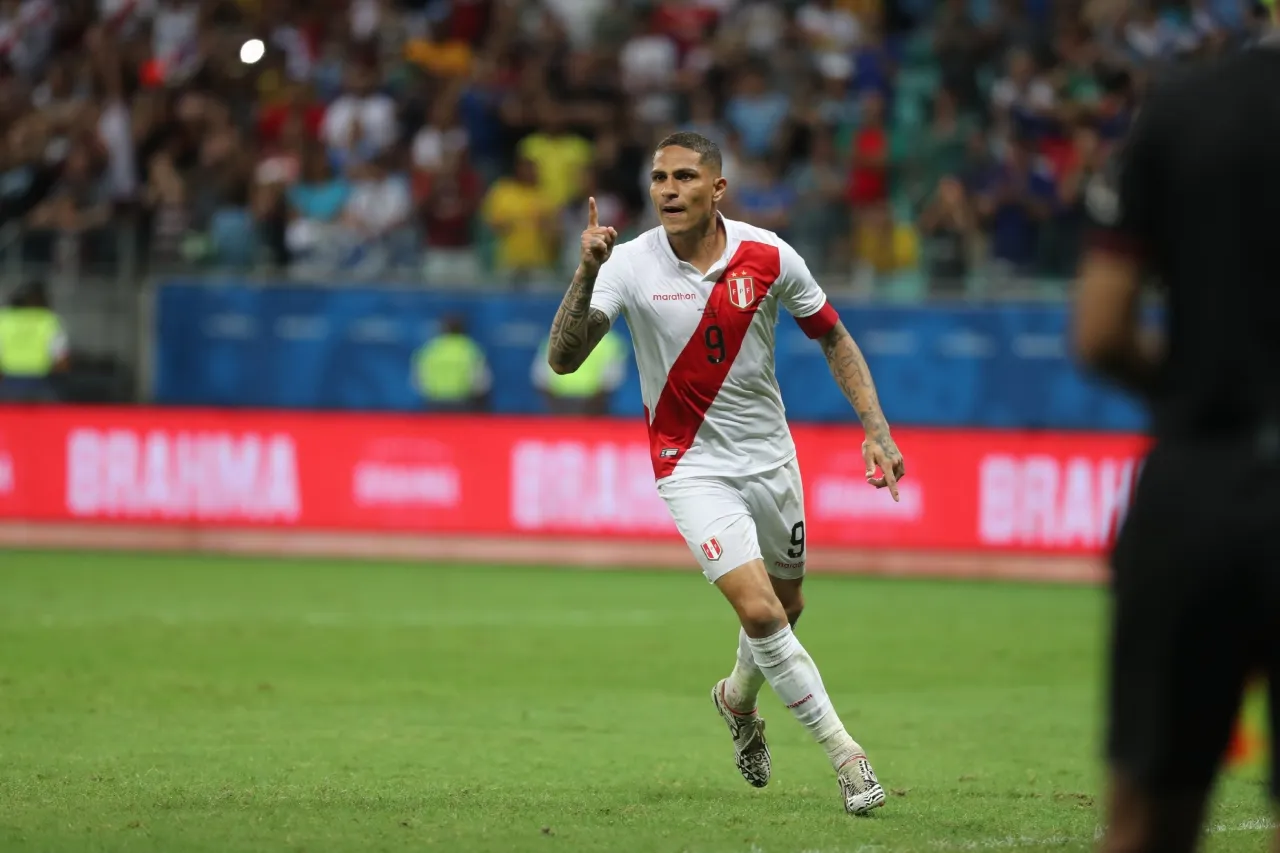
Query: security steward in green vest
[587, 390]
[33, 347]
[451, 372]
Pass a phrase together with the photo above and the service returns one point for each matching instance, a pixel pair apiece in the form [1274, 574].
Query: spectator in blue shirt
[315, 205]
[757, 113]
[1016, 201]
[764, 199]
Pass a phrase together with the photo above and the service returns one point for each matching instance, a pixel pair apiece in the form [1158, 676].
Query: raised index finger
[593, 218]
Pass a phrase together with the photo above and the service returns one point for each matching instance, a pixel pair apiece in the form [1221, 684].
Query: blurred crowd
[922, 144]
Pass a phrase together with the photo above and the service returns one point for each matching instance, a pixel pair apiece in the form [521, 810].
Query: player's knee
[762, 616]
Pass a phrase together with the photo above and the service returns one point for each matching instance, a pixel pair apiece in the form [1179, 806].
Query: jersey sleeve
[1123, 199]
[610, 290]
[802, 296]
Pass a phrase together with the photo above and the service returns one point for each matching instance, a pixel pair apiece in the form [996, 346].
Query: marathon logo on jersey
[668, 452]
[742, 292]
[712, 549]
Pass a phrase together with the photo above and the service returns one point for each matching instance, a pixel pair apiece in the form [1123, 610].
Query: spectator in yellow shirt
[519, 210]
[882, 244]
[440, 55]
[562, 156]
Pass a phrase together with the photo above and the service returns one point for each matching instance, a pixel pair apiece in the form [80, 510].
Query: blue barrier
[226, 343]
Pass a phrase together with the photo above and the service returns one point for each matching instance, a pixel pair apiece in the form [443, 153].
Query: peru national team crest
[742, 292]
[712, 549]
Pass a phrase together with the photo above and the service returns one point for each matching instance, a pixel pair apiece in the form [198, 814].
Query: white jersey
[705, 346]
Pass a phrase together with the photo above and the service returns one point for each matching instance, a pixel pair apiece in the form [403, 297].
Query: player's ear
[718, 188]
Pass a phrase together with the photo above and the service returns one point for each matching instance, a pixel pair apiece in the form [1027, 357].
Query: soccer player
[701, 295]
[1195, 203]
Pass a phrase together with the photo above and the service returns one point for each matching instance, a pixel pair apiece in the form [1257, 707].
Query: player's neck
[701, 249]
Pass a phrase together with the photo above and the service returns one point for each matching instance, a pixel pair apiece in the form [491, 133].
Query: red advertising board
[965, 490]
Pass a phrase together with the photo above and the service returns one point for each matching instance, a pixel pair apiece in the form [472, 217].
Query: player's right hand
[597, 242]
[882, 453]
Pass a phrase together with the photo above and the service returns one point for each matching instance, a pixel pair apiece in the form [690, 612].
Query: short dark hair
[708, 152]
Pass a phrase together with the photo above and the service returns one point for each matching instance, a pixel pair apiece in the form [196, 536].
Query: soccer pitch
[177, 703]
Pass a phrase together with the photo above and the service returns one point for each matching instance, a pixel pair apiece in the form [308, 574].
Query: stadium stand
[903, 145]
[910, 150]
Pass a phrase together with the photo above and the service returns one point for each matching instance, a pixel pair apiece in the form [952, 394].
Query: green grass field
[163, 703]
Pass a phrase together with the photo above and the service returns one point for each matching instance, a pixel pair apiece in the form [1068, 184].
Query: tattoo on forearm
[577, 327]
[854, 378]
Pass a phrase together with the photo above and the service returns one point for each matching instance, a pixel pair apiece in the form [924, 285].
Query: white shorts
[729, 521]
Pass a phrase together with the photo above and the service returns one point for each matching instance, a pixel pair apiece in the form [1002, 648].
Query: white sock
[794, 677]
[743, 684]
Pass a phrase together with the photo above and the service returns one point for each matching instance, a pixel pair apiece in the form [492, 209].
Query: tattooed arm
[577, 327]
[854, 378]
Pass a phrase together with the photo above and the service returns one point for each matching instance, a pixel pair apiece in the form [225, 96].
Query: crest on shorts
[742, 292]
[712, 549]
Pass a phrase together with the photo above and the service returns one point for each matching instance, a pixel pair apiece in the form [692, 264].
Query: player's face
[685, 191]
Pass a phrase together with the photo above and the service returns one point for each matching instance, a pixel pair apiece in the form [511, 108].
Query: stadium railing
[188, 333]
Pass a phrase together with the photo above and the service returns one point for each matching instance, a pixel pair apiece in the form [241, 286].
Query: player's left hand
[881, 453]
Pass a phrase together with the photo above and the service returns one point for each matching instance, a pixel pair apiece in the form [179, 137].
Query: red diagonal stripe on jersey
[694, 379]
